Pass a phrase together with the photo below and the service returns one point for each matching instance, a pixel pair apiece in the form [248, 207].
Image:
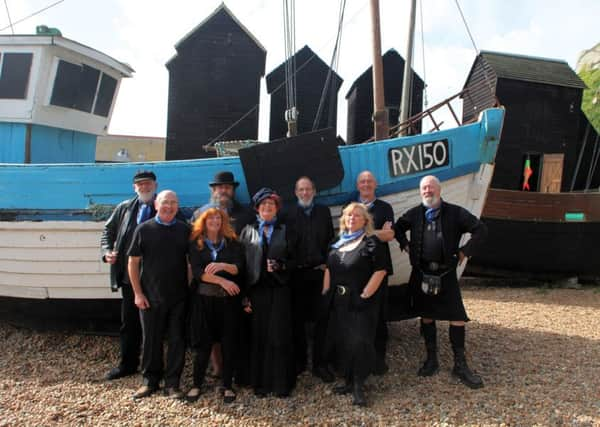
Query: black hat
[224, 177]
[265, 193]
[143, 175]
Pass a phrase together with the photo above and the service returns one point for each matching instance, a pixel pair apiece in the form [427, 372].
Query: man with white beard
[436, 228]
[116, 239]
[312, 229]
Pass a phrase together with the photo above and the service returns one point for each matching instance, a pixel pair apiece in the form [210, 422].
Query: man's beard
[430, 202]
[223, 202]
[145, 197]
[304, 204]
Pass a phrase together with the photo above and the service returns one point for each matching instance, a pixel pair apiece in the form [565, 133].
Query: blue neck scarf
[144, 212]
[168, 224]
[214, 251]
[261, 228]
[369, 205]
[348, 237]
[431, 214]
[307, 209]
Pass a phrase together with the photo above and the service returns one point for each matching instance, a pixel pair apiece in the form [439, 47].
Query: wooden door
[552, 173]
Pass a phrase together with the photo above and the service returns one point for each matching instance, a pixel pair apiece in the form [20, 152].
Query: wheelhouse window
[14, 74]
[83, 88]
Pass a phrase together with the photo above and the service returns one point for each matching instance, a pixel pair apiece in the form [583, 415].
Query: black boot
[345, 388]
[358, 394]
[461, 369]
[431, 365]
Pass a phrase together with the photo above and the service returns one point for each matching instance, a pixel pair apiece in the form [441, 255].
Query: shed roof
[531, 69]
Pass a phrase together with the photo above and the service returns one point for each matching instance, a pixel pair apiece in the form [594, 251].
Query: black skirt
[447, 305]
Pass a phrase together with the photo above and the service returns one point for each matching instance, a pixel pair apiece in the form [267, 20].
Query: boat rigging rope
[477, 51]
[12, 29]
[335, 58]
[33, 14]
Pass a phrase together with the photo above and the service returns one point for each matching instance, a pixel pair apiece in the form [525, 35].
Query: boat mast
[380, 114]
[407, 81]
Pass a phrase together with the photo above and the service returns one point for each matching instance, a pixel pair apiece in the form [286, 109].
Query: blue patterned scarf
[261, 228]
[431, 214]
[214, 251]
[348, 237]
[168, 224]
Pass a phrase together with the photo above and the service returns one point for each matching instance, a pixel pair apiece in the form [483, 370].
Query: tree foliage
[591, 110]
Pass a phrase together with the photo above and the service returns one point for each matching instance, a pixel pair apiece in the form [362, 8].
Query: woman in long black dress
[355, 270]
[268, 264]
[217, 261]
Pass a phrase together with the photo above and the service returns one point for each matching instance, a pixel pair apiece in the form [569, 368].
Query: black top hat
[143, 175]
[224, 177]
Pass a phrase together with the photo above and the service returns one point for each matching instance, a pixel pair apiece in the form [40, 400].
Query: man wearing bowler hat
[116, 239]
[222, 194]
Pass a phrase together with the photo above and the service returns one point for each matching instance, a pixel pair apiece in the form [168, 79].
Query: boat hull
[540, 234]
[45, 258]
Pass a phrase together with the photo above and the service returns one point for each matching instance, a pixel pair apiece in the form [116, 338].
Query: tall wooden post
[380, 114]
[407, 82]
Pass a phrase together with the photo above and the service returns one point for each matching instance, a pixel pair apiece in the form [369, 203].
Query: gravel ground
[538, 351]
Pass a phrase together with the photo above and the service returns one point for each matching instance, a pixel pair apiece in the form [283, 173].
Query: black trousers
[158, 321]
[381, 334]
[309, 305]
[131, 331]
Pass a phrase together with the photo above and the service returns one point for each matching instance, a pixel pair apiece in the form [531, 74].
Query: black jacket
[312, 234]
[117, 233]
[455, 222]
[280, 249]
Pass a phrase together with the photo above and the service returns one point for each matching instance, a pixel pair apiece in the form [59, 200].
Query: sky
[142, 33]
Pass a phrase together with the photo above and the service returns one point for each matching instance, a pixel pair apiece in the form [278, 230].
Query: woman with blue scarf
[217, 262]
[355, 269]
[268, 263]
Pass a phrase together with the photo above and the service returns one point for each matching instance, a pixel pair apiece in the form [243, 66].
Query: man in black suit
[436, 228]
[312, 228]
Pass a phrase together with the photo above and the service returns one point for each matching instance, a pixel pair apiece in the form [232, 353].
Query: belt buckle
[341, 290]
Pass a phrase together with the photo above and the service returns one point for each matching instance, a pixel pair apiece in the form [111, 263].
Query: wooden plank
[54, 280]
[50, 238]
[534, 206]
[53, 267]
[83, 293]
[49, 254]
[23, 291]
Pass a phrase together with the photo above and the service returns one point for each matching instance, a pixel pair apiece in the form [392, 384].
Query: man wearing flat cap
[116, 239]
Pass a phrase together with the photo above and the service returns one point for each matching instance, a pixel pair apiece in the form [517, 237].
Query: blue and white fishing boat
[53, 195]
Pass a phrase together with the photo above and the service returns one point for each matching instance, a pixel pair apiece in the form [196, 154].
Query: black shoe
[324, 373]
[119, 372]
[193, 394]
[358, 395]
[381, 368]
[345, 388]
[260, 393]
[145, 391]
[174, 393]
[429, 368]
[229, 396]
[467, 377]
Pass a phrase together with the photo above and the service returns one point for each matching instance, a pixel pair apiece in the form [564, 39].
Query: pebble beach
[537, 349]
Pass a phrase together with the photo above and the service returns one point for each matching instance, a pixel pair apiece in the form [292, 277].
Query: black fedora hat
[224, 177]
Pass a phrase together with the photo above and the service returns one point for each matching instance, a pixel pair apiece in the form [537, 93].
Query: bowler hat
[224, 177]
[143, 175]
